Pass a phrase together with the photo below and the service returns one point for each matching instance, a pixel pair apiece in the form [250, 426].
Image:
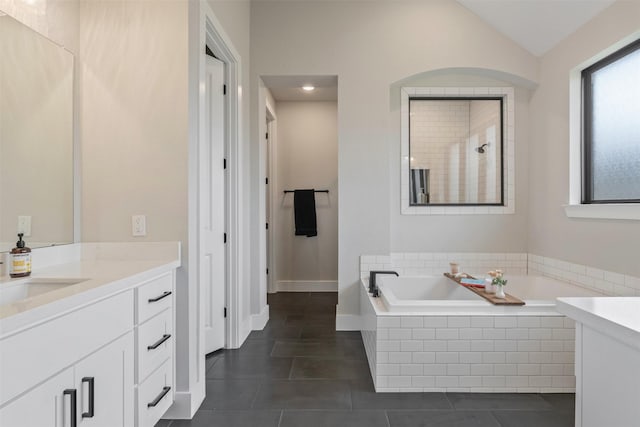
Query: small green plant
[497, 278]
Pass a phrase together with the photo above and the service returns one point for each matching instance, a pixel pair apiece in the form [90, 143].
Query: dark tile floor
[299, 371]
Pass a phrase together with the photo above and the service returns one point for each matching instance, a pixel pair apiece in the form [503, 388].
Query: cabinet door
[43, 406]
[105, 386]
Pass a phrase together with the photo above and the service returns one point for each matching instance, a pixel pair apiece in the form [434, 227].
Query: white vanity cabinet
[106, 363]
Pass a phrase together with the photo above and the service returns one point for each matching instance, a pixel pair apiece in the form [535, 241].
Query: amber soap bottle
[20, 259]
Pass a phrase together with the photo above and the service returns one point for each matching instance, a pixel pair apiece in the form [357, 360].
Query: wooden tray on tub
[508, 300]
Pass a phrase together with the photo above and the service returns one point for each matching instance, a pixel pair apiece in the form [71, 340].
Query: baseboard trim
[184, 407]
[348, 322]
[259, 321]
[307, 286]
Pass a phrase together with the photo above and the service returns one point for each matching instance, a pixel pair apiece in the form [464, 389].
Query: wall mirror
[455, 146]
[36, 138]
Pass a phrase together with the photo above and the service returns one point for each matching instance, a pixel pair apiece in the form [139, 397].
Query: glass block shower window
[611, 137]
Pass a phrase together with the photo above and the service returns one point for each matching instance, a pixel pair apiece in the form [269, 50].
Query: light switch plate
[24, 225]
[139, 225]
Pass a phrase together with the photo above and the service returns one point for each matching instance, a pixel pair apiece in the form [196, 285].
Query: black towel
[304, 208]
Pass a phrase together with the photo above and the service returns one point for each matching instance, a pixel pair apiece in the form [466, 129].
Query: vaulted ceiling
[536, 25]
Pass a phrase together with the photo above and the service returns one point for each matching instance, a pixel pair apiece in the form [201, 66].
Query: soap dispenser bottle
[20, 259]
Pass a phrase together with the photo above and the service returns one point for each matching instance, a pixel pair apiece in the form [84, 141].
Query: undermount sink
[16, 291]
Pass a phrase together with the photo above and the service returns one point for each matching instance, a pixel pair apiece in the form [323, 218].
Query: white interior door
[212, 207]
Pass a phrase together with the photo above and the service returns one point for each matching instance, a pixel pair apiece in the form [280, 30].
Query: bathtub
[426, 334]
[442, 295]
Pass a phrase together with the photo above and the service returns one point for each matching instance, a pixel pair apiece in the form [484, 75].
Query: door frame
[211, 35]
[273, 185]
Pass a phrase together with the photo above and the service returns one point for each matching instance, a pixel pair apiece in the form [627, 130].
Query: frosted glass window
[611, 143]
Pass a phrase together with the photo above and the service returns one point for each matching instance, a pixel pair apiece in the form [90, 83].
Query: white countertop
[108, 268]
[617, 317]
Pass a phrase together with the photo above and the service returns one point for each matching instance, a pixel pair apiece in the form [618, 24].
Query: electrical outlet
[139, 225]
[24, 225]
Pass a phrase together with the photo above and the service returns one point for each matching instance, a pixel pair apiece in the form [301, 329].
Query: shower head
[481, 149]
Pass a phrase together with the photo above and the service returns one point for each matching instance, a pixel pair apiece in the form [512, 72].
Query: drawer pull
[159, 342]
[73, 405]
[157, 400]
[90, 381]
[164, 295]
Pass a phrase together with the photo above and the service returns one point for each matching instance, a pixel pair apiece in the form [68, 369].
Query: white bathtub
[442, 295]
[429, 334]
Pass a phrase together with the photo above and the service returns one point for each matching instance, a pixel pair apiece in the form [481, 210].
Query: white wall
[606, 244]
[370, 46]
[307, 157]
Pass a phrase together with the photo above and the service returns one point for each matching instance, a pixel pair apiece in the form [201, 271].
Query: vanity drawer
[155, 395]
[154, 297]
[155, 343]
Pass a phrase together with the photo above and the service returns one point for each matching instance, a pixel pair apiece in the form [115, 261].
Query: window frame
[501, 100]
[586, 167]
[509, 181]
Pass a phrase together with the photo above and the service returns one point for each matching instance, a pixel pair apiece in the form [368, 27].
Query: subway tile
[505, 369]
[470, 357]
[399, 381]
[517, 357]
[493, 381]
[458, 345]
[540, 334]
[447, 357]
[390, 345]
[528, 322]
[540, 381]
[552, 322]
[482, 369]
[388, 369]
[563, 357]
[423, 357]
[483, 322]
[517, 334]
[549, 369]
[505, 345]
[494, 334]
[447, 382]
[434, 345]
[506, 322]
[458, 322]
[470, 333]
[526, 345]
[411, 369]
[411, 345]
[423, 381]
[529, 369]
[434, 322]
[563, 334]
[458, 369]
[399, 334]
[540, 357]
[399, 357]
[563, 381]
[493, 357]
[482, 345]
[517, 381]
[423, 334]
[434, 369]
[556, 345]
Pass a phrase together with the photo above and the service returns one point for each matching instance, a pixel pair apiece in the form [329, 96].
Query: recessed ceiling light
[308, 88]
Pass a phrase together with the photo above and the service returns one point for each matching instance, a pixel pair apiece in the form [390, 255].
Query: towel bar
[317, 191]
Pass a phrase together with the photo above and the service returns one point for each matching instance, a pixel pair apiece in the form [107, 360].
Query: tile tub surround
[607, 282]
[436, 263]
[480, 353]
